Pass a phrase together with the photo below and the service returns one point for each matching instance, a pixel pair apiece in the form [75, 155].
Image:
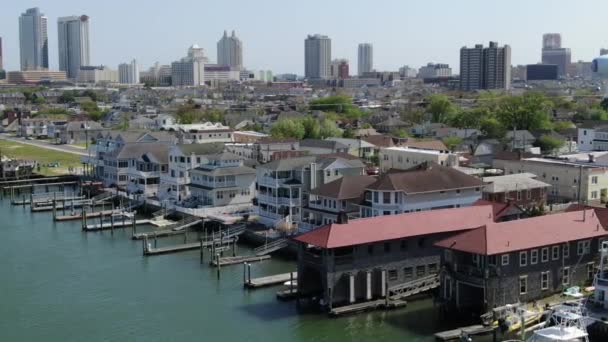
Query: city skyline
[419, 42]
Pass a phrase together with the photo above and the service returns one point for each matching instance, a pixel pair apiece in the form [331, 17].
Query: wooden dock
[225, 261]
[357, 307]
[472, 330]
[181, 247]
[277, 279]
[118, 223]
[78, 215]
[157, 234]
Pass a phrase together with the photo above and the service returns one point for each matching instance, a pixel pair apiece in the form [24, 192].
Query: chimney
[591, 158]
[342, 218]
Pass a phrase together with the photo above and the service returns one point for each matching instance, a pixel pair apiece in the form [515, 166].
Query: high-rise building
[541, 72]
[339, 69]
[317, 56]
[1, 65]
[365, 58]
[33, 40]
[602, 52]
[230, 51]
[485, 68]
[432, 70]
[554, 53]
[73, 40]
[190, 70]
[128, 73]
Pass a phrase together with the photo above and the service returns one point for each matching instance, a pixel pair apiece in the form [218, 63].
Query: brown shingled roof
[437, 145]
[347, 187]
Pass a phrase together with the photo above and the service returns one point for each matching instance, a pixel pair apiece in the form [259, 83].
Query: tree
[367, 125]
[561, 125]
[468, 118]
[548, 143]
[491, 128]
[328, 129]
[312, 129]
[90, 94]
[340, 104]
[440, 108]
[348, 133]
[452, 142]
[530, 111]
[399, 133]
[288, 128]
[67, 96]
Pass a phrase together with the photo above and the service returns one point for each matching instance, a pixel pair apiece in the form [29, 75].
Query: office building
[230, 51]
[407, 72]
[1, 64]
[190, 70]
[432, 70]
[365, 58]
[485, 67]
[33, 40]
[317, 56]
[603, 52]
[97, 74]
[537, 72]
[128, 73]
[73, 39]
[339, 69]
[35, 76]
[157, 75]
[554, 53]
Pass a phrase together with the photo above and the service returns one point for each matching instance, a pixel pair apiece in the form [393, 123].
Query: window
[328, 173]
[219, 195]
[392, 275]
[386, 212]
[583, 247]
[534, 257]
[555, 252]
[566, 250]
[420, 271]
[432, 268]
[337, 173]
[421, 242]
[375, 197]
[590, 271]
[523, 285]
[492, 260]
[387, 247]
[544, 254]
[408, 272]
[523, 258]
[594, 194]
[566, 276]
[518, 195]
[386, 157]
[504, 259]
[594, 180]
[386, 197]
[529, 194]
[544, 280]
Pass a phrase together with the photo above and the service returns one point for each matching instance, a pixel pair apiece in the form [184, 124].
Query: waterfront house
[524, 260]
[222, 180]
[76, 132]
[147, 163]
[522, 189]
[428, 186]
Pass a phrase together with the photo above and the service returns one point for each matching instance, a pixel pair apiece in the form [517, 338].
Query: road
[48, 144]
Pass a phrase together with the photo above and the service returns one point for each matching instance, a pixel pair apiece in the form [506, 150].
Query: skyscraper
[485, 68]
[339, 69]
[1, 65]
[73, 36]
[33, 40]
[602, 52]
[554, 53]
[128, 73]
[190, 70]
[230, 51]
[365, 58]
[317, 56]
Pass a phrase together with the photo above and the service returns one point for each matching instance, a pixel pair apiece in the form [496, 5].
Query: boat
[567, 322]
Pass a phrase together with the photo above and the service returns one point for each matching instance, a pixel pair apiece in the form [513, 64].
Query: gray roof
[521, 135]
[227, 171]
[224, 156]
[80, 125]
[321, 161]
[201, 149]
[514, 182]
[319, 143]
[137, 150]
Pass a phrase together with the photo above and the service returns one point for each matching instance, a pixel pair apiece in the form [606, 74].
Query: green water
[59, 284]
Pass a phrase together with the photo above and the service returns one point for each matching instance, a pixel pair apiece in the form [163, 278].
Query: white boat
[566, 323]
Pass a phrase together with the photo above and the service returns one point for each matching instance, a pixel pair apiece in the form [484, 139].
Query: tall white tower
[73, 39]
[230, 51]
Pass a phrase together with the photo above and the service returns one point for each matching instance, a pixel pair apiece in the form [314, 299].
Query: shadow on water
[270, 310]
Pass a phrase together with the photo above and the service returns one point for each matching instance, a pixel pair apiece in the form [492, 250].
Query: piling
[202, 253]
[217, 258]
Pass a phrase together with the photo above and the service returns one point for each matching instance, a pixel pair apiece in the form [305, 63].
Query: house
[428, 186]
[433, 145]
[146, 164]
[142, 122]
[593, 136]
[200, 133]
[357, 147]
[520, 140]
[248, 136]
[520, 261]
[34, 127]
[183, 158]
[522, 189]
[222, 180]
[391, 124]
[164, 120]
[320, 146]
[283, 184]
[269, 149]
[371, 258]
[403, 158]
[327, 201]
[77, 132]
[463, 133]
[425, 129]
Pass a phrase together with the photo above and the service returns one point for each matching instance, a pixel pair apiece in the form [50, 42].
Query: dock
[288, 294]
[277, 279]
[357, 307]
[157, 234]
[225, 261]
[118, 223]
[78, 215]
[181, 247]
[471, 330]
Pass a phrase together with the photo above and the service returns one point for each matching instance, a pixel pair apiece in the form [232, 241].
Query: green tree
[68, 96]
[492, 128]
[561, 125]
[452, 142]
[440, 107]
[399, 133]
[548, 143]
[367, 125]
[468, 118]
[90, 94]
[348, 133]
[340, 104]
[530, 111]
[328, 129]
[312, 129]
[288, 128]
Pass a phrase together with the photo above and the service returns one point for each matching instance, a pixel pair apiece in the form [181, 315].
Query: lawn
[43, 157]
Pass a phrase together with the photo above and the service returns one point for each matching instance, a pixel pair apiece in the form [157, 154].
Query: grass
[42, 156]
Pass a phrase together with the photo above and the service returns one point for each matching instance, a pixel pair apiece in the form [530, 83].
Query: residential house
[428, 186]
[320, 146]
[404, 158]
[522, 189]
[147, 162]
[201, 133]
[77, 132]
[390, 125]
[269, 149]
[520, 140]
[327, 201]
[142, 122]
[593, 136]
[357, 147]
[521, 261]
[222, 180]
[34, 127]
[463, 133]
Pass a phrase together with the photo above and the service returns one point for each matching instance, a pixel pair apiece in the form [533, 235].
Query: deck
[157, 234]
[357, 307]
[182, 247]
[225, 261]
[118, 223]
[78, 215]
[470, 330]
[277, 279]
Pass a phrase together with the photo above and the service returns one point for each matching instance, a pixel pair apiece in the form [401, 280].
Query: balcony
[143, 174]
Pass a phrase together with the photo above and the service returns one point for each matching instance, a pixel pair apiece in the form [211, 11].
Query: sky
[403, 32]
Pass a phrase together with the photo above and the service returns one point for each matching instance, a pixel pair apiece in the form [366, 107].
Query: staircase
[413, 287]
[234, 231]
[270, 247]
[185, 223]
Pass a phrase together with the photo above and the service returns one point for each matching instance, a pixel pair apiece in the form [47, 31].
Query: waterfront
[59, 284]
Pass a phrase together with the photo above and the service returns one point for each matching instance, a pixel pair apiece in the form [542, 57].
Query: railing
[270, 247]
[218, 184]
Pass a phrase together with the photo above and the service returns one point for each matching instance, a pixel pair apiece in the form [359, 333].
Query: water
[59, 284]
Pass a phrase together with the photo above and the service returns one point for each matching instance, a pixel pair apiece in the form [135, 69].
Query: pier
[115, 224]
[277, 279]
[455, 334]
[149, 250]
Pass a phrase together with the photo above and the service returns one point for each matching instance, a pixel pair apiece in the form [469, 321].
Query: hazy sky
[403, 32]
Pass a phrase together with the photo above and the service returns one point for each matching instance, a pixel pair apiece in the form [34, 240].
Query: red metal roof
[504, 237]
[392, 227]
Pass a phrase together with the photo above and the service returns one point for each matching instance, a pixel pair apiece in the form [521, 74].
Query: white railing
[143, 174]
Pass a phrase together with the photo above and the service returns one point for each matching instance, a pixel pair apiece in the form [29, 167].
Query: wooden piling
[217, 258]
[202, 251]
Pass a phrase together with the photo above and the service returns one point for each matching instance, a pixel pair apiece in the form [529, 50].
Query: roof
[224, 156]
[136, 150]
[514, 182]
[322, 162]
[272, 140]
[347, 187]
[499, 209]
[227, 171]
[379, 140]
[425, 144]
[393, 227]
[426, 177]
[330, 144]
[510, 236]
[520, 135]
[201, 149]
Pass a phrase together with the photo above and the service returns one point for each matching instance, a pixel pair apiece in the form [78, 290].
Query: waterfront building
[521, 261]
[541, 72]
[230, 51]
[432, 70]
[35, 76]
[147, 163]
[485, 67]
[128, 73]
[223, 180]
[365, 58]
[73, 40]
[317, 56]
[33, 40]
[97, 74]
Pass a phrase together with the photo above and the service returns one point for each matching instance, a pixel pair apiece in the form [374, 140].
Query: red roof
[504, 237]
[498, 208]
[392, 227]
